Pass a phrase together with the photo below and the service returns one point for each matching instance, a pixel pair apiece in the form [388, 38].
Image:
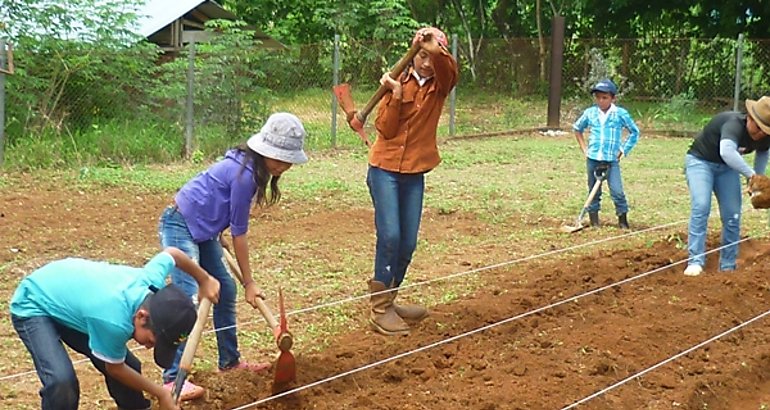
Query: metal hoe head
[176, 391]
[600, 173]
[353, 117]
[572, 229]
[285, 367]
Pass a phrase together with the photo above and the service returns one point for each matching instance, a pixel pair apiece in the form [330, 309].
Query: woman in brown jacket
[405, 150]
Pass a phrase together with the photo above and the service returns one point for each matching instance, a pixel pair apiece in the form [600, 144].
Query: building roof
[155, 15]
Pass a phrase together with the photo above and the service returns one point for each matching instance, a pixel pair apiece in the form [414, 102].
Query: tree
[64, 53]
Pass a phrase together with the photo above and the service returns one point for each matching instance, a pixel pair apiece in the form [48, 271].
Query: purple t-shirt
[218, 197]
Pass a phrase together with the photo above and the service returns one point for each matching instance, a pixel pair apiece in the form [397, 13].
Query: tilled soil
[551, 351]
[551, 359]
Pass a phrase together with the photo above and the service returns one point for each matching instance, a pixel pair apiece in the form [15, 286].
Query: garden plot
[494, 238]
[551, 359]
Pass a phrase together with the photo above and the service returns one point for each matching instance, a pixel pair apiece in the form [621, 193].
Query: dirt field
[544, 360]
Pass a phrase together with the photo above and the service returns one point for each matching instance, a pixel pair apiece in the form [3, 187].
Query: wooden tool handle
[263, 308]
[394, 73]
[204, 307]
[593, 192]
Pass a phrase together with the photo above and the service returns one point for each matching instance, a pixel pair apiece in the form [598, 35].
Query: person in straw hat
[220, 198]
[714, 164]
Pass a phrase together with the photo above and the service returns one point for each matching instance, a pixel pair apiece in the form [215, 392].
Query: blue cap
[605, 86]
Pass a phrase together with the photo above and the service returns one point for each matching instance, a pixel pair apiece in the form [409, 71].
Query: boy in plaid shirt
[606, 146]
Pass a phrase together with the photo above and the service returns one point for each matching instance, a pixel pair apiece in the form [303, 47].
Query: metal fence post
[2, 103]
[189, 125]
[738, 63]
[453, 94]
[335, 81]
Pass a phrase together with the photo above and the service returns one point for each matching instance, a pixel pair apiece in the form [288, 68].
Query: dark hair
[146, 306]
[262, 176]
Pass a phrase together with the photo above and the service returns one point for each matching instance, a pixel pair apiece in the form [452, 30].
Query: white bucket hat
[281, 138]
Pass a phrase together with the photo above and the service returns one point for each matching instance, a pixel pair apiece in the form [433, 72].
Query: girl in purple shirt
[220, 198]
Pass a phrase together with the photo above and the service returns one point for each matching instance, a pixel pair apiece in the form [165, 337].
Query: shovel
[185, 363]
[357, 118]
[600, 172]
[285, 367]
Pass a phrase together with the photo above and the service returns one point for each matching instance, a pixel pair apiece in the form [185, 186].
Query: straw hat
[760, 112]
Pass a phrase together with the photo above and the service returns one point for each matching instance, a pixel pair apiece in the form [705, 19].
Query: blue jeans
[615, 183]
[173, 231]
[43, 337]
[704, 177]
[397, 200]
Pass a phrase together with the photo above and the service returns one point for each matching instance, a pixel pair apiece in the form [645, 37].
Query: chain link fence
[106, 103]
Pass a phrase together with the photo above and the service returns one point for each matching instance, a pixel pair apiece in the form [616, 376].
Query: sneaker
[189, 390]
[252, 367]
[693, 270]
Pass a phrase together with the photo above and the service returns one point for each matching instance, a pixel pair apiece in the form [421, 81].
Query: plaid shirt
[606, 140]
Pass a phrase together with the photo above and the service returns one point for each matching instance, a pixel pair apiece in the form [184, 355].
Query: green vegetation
[138, 142]
[88, 93]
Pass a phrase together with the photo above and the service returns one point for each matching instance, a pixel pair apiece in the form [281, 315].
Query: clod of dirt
[394, 375]
[424, 373]
[601, 369]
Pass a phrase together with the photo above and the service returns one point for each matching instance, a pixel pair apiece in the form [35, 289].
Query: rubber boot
[594, 217]
[623, 221]
[412, 313]
[383, 317]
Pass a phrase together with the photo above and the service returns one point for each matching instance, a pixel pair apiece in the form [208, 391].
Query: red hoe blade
[286, 367]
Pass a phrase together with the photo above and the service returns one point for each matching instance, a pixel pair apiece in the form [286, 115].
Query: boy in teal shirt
[95, 308]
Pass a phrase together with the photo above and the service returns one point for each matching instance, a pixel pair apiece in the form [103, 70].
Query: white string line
[478, 330]
[666, 361]
[450, 276]
[472, 271]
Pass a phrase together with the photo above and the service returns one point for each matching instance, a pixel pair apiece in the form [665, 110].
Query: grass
[151, 140]
[492, 177]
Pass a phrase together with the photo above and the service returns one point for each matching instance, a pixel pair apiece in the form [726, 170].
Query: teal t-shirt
[95, 298]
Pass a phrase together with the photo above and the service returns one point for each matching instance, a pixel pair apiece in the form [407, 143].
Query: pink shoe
[252, 367]
[189, 390]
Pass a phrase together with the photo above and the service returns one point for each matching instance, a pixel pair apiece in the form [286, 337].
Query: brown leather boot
[383, 317]
[412, 313]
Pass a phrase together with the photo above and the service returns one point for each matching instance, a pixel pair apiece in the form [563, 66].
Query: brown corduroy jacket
[406, 127]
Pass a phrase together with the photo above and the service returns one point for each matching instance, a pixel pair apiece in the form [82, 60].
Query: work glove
[759, 191]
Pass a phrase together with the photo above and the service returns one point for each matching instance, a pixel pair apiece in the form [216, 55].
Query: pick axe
[285, 367]
[357, 118]
[185, 363]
